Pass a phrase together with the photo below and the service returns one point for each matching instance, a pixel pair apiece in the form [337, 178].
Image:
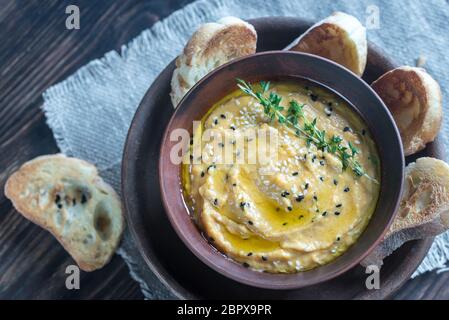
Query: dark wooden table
[37, 51]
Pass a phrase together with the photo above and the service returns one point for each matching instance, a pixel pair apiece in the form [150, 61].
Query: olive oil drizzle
[309, 131]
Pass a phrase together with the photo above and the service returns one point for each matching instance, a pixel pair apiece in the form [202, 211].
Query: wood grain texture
[37, 51]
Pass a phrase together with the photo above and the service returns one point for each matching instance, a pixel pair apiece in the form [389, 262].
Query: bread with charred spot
[414, 99]
[424, 207]
[340, 38]
[67, 197]
[212, 45]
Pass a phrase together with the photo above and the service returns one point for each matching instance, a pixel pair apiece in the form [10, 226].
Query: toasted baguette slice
[424, 208]
[212, 45]
[414, 99]
[68, 198]
[340, 38]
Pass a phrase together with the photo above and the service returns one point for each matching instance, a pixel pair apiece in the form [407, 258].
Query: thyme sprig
[307, 129]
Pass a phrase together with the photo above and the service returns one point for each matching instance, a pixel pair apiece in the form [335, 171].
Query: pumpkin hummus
[297, 209]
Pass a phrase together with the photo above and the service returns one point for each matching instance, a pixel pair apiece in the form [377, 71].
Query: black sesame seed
[338, 239]
[250, 222]
[83, 198]
[249, 254]
[58, 198]
[306, 186]
[222, 116]
[295, 173]
[337, 213]
[242, 205]
[59, 205]
[285, 193]
[315, 198]
[202, 174]
[299, 198]
[289, 208]
[314, 97]
[324, 213]
[338, 205]
[215, 121]
[245, 265]
[322, 162]
[321, 178]
[335, 182]
[264, 258]
[221, 144]
[234, 184]
[346, 189]
[300, 217]
[215, 201]
[232, 127]
[284, 224]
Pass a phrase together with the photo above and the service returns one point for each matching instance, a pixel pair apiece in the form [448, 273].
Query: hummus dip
[297, 209]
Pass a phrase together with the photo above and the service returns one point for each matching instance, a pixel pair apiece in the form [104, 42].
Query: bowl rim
[276, 283]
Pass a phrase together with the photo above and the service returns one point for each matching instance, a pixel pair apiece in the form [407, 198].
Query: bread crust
[212, 45]
[67, 197]
[415, 101]
[424, 207]
[340, 38]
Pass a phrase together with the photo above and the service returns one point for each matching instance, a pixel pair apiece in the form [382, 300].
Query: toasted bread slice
[68, 198]
[414, 99]
[424, 208]
[340, 38]
[212, 45]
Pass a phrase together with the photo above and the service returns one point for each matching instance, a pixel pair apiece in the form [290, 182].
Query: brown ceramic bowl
[269, 66]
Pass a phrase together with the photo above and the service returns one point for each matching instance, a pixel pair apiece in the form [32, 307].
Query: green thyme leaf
[308, 130]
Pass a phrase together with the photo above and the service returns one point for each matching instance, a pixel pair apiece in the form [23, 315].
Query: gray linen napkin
[90, 111]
